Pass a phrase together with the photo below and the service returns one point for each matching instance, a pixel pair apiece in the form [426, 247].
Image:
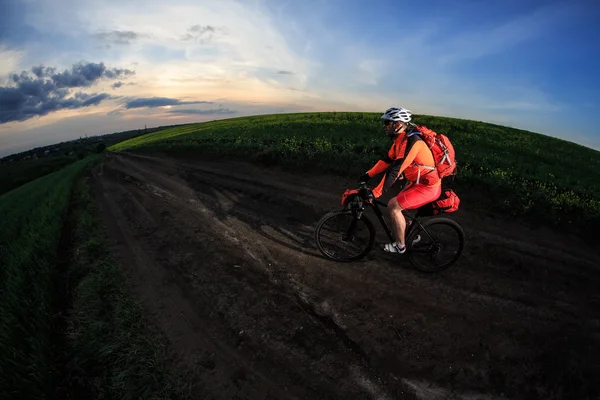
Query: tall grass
[32, 221]
[522, 173]
[105, 349]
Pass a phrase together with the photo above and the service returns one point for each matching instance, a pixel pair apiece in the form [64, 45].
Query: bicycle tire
[332, 256]
[413, 250]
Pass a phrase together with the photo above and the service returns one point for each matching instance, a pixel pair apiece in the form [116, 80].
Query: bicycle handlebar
[366, 194]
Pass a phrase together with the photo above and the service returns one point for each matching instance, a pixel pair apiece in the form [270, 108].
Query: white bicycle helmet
[397, 114]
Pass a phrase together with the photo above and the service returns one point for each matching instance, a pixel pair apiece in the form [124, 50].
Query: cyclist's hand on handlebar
[364, 178]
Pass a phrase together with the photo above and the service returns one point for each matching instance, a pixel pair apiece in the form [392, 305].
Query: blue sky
[526, 64]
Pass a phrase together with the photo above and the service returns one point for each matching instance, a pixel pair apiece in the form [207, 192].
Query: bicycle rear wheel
[441, 244]
[340, 236]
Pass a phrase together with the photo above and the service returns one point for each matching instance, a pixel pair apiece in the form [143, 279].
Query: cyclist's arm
[383, 163]
[405, 156]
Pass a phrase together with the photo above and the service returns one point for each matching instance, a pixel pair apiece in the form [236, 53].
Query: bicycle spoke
[440, 245]
[342, 237]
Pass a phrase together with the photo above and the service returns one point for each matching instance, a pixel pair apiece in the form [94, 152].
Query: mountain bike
[348, 235]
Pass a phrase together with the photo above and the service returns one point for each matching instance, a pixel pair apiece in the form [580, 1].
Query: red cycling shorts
[418, 195]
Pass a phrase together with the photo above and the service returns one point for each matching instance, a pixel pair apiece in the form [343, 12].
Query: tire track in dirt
[156, 281]
[133, 208]
[231, 244]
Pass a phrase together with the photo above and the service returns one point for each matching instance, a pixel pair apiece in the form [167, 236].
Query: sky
[70, 68]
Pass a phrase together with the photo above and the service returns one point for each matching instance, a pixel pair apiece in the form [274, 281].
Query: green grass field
[523, 174]
[32, 222]
[17, 174]
[66, 319]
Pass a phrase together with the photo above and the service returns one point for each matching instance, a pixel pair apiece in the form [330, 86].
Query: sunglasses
[386, 122]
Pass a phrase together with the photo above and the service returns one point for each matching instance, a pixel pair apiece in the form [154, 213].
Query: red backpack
[442, 149]
[447, 202]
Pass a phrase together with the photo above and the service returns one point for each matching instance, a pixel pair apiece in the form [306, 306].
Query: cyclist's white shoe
[417, 239]
[394, 248]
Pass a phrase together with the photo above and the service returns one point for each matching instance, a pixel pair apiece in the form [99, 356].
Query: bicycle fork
[347, 236]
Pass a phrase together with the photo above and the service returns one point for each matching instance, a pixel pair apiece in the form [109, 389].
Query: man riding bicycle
[409, 155]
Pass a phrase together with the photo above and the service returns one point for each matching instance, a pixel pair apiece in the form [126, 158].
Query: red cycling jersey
[415, 159]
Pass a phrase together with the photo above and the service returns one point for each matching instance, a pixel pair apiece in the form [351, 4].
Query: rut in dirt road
[222, 256]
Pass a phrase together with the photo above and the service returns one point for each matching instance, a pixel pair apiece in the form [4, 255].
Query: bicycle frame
[356, 201]
[367, 198]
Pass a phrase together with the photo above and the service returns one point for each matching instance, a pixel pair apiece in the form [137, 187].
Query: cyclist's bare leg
[398, 220]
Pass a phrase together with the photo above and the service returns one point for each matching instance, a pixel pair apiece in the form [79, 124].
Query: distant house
[46, 152]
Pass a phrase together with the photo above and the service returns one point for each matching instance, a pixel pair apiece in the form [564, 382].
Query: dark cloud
[285, 72]
[41, 71]
[16, 106]
[203, 112]
[118, 73]
[91, 99]
[80, 75]
[44, 90]
[160, 102]
[116, 37]
[200, 34]
[119, 84]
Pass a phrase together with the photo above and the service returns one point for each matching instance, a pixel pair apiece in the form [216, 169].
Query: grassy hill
[17, 174]
[522, 173]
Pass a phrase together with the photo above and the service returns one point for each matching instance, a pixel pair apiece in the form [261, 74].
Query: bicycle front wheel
[340, 236]
[435, 245]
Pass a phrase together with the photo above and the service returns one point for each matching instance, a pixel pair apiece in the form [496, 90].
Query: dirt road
[223, 258]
